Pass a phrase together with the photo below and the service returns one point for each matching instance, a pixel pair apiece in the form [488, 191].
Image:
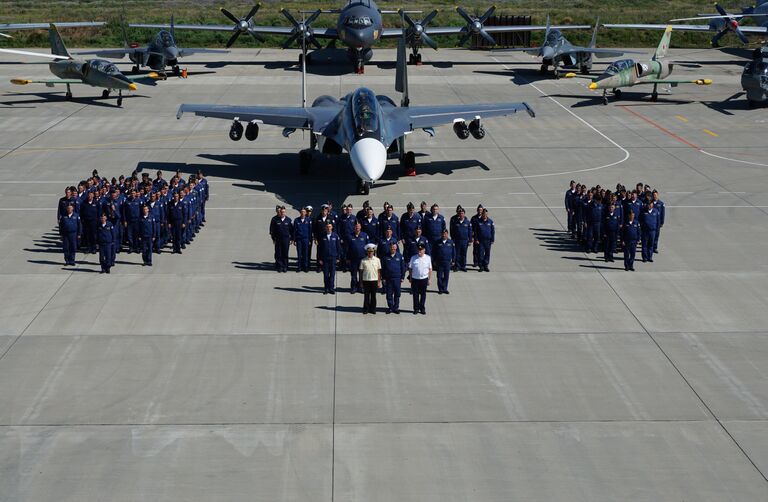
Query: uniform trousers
[369, 296]
[419, 292]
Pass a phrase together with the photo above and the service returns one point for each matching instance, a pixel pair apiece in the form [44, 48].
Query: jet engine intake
[461, 129]
[236, 131]
[476, 129]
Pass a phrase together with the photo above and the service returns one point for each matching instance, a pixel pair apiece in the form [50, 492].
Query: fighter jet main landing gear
[135, 69]
[105, 93]
[363, 187]
[176, 70]
[69, 93]
[119, 98]
[544, 68]
[409, 163]
[655, 93]
[414, 59]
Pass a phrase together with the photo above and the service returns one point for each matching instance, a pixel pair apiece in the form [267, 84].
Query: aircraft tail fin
[57, 44]
[661, 50]
[593, 42]
[126, 44]
[173, 31]
[546, 30]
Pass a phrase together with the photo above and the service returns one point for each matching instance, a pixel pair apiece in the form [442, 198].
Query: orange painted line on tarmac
[659, 127]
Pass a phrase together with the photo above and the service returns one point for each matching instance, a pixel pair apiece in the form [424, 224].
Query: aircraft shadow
[49, 97]
[330, 178]
[730, 104]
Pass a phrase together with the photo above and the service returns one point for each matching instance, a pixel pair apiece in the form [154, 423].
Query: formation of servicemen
[134, 215]
[381, 251]
[603, 220]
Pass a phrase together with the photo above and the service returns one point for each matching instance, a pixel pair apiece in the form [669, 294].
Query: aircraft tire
[69, 96]
[176, 70]
[366, 188]
[120, 101]
[105, 93]
[655, 97]
[617, 93]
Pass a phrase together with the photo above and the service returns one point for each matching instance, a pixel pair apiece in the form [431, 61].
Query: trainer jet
[94, 72]
[370, 127]
[629, 73]
[721, 23]
[38, 26]
[160, 53]
[557, 50]
[359, 27]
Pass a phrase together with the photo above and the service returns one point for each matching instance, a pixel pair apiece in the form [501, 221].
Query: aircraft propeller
[242, 25]
[302, 29]
[731, 24]
[475, 26]
[416, 31]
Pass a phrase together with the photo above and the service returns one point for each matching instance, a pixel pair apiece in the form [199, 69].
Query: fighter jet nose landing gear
[363, 187]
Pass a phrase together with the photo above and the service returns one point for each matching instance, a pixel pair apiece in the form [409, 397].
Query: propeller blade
[312, 18]
[290, 17]
[488, 38]
[464, 39]
[428, 41]
[488, 14]
[252, 12]
[257, 36]
[290, 40]
[408, 19]
[313, 41]
[429, 18]
[720, 10]
[717, 38]
[463, 14]
[233, 38]
[741, 35]
[229, 16]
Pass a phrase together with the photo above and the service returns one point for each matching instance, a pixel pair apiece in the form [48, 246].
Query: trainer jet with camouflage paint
[629, 73]
[558, 50]
[94, 72]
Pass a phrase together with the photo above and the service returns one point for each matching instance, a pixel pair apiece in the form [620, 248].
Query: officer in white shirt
[419, 274]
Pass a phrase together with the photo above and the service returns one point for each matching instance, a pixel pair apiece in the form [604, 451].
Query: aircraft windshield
[553, 36]
[756, 68]
[365, 111]
[358, 21]
[166, 39]
[619, 66]
[104, 66]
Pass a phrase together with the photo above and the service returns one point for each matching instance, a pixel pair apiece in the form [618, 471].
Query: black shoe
[396, 311]
[626, 269]
[447, 292]
[325, 291]
[643, 260]
[365, 312]
[656, 251]
[424, 312]
[373, 312]
[107, 271]
[650, 260]
[487, 269]
[297, 270]
[415, 312]
[439, 292]
[463, 269]
[333, 291]
[388, 311]
[632, 269]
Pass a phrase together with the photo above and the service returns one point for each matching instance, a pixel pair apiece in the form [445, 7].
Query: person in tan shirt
[370, 277]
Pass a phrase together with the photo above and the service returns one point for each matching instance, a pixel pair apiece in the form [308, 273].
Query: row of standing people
[131, 214]
[601, 219]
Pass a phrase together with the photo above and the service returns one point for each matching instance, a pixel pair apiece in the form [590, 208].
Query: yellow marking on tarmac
[713, 134]
[681, 118]
[114, 143]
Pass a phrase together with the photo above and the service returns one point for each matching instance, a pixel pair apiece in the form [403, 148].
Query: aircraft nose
[369, 158]
[593, 85]
[171, 53]
[132, 86]
[547, 53]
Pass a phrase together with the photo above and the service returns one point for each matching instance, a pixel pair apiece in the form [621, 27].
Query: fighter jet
[754, 78]
[94, 72]
[359, 27]
[629, 73]
[38, 26]
[722, 23]
[557, 50]
[160, 53]
[370, 127]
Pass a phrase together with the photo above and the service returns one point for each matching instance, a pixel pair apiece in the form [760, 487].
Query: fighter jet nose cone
[548, 53]
[172, 53]
[132, 86]
[593, 86]
[369, 158]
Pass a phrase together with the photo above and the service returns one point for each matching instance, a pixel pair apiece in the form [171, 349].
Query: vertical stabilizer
[661, 50]
[173, 29]
[57, 44]
[125, 33]
[401, 72]
[546, 30]
[593, 42]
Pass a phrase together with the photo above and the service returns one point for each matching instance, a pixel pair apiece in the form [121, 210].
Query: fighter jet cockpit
[165, 39]
[618, 66]
[104, 66]
[365, 112]
[554, 38]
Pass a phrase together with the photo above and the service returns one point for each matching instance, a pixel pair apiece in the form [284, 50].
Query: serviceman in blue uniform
[393, 272]
[569, 194]
[89, 216]
[649, 225]
[659, 206]
[203, 182]
[485, 237]
[329, 250]
[71, 230]
[461, 233]
[106, 239]
[281, 232]
[576, 211]
[408, 223]
[114, 211]
[177, 220]
[630, 235]
[387, 239]
[475, 246]
[370, 226]
[147, 235]
[156, 212]
[594, 224]
[314, 235]
[356, 252]
[443, 260]
[346, 228]
[433, 225]
[388, 219]
[413, 244]
[302, 235]
[611, 229]
[131, 217]
[319, 229]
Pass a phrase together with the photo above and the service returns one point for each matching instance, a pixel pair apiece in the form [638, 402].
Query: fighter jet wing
[315, 118]
[406, 119]
[114, 53]
[686, 27]
[455, 30]
[189, 52]
[49, 82]
[37, 54]
[675, 81]
[150, 78]
[263, 30]
[601, 53]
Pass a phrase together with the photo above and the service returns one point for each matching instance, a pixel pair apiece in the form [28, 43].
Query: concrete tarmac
[557, 376]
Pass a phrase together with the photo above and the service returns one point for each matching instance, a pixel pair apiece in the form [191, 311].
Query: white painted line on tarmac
[469, 193]
[525, 193]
